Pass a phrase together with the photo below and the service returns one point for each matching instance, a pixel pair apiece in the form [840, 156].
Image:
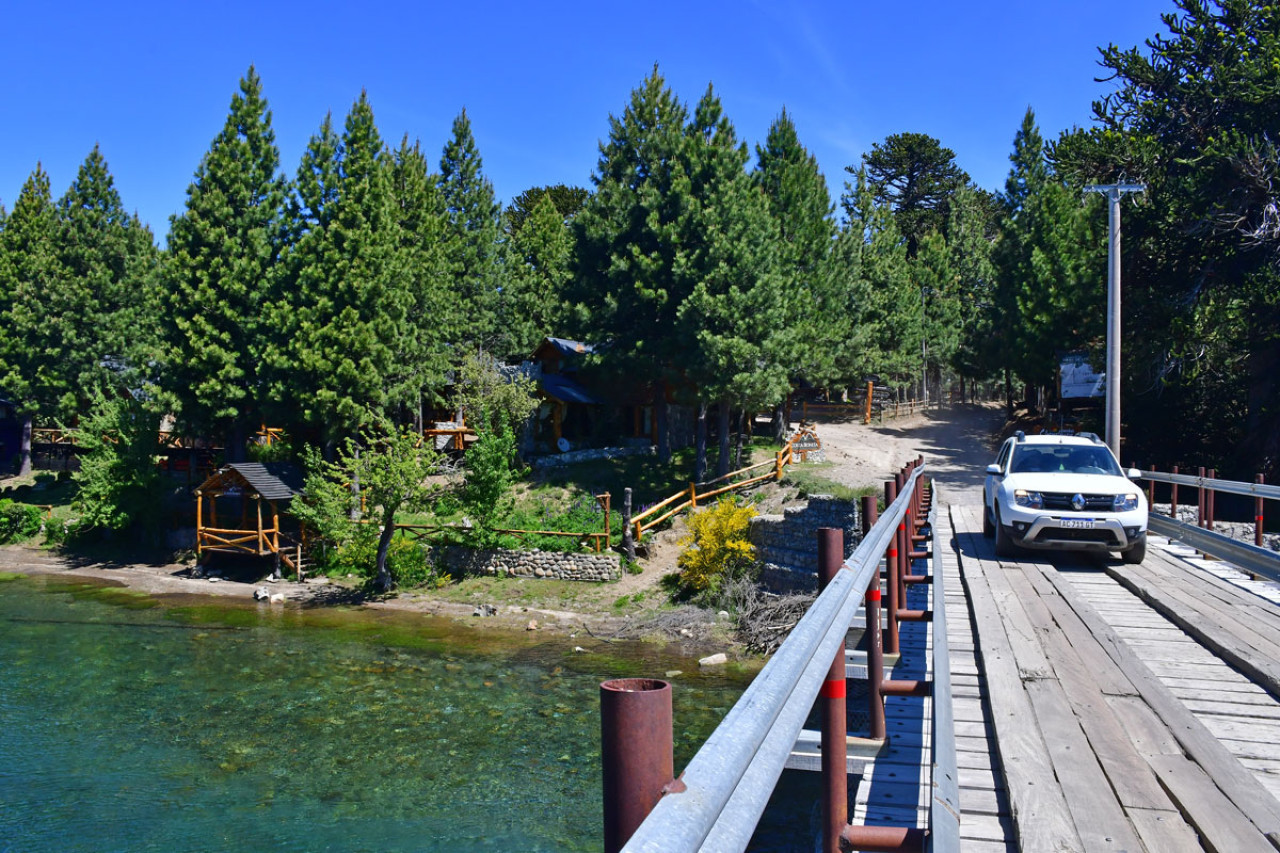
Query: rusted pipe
[1151, 491]
[636, 753]
[909, 687]
[1258, 523]
[835, 729]
[915, 615]
[883, 839]
[1173, 498]
[1200, 499]
[891, 578]
[1208, 500]
[875, 640]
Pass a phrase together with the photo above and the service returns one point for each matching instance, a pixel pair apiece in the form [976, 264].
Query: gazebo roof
[273, 481]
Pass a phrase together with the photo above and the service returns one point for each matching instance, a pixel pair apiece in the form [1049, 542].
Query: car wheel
[988, 529]
[1004, 543]
[1137, 553]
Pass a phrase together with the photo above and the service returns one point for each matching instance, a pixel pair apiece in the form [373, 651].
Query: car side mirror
[994, 470]
[1133, 474]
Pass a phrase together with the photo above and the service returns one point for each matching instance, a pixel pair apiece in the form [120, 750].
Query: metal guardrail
[1251, 558]
[729, 781]
[1234, 487]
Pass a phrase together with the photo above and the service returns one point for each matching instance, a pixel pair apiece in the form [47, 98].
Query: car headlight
[1031, 500]
[1124, 503]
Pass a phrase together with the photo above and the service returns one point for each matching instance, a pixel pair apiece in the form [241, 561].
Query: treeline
[720, 280]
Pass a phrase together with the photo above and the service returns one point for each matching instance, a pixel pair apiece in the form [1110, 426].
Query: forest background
[346, 291]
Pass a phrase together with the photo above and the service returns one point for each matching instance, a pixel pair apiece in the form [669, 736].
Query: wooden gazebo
[226, 523]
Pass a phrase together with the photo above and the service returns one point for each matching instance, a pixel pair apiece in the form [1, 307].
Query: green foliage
[717, 548]
[565, 200]
[119, 483]
[221, 274]
[490, 474]
[391, 470]
[491, 398]
[541, 264]
[581, 513]
[18, 521]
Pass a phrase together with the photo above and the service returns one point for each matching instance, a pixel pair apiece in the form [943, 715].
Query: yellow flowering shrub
[717, 546]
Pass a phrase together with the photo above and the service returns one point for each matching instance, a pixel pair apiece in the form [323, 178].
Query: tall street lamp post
[1113, 193]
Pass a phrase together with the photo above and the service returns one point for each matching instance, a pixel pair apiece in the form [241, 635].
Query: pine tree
[108, 265]
[541, 256]
[28, 280]
[629, 279]
[971, 229]
[220, 274]
[349, 294]
[915, 175]
[424, 356]
[473, 242]
[800, 203]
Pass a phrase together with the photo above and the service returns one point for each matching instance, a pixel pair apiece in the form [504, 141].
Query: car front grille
[1062, 501]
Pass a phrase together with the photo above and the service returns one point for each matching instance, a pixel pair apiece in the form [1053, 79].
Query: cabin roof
[274, 481]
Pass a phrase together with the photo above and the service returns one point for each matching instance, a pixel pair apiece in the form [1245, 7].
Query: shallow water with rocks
[131, 722]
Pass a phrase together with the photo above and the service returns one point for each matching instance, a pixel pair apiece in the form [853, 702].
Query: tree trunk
[382, 581]
[1008, 392]
[237, 435]
[355, 488]
[700, 459]
[779, 424]
[24, 457]
[744, 428]
[722, 424]
[660, 422]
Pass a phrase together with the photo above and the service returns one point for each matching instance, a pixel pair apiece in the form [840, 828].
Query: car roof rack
[1092, 436]
[1020, 435]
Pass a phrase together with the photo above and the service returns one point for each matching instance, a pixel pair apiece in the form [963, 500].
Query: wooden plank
[1165, 831]
[1098, 816]
[1235, 781]
[1038, 808]
[1222, 827]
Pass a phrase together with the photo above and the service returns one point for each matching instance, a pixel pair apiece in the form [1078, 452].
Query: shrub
[717, 548]
[18, 521]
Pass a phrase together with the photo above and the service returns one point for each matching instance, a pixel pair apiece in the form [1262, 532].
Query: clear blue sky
[151, 82]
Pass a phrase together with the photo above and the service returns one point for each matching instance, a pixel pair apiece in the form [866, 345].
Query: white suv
[1063, 492]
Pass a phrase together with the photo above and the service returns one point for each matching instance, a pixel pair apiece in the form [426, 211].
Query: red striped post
[1208, 500]
[835, 728]
[1258, 524]
[875, 640]
[891, 579]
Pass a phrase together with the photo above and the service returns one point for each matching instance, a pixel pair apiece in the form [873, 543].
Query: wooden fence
[599, 541]
[688, 498]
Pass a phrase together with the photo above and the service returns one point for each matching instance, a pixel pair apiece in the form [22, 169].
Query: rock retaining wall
[554, 460]
[528, 564]
[787, 544]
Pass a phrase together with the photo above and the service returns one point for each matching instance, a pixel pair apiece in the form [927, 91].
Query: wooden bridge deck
[1113, 727]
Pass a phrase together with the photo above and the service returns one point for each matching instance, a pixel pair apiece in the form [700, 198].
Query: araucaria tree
[220, 276]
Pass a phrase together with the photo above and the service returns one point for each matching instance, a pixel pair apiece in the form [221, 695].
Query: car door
[992, 482]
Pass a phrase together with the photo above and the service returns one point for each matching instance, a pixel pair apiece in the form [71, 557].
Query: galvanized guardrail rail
[1252, 558]
[717, 801]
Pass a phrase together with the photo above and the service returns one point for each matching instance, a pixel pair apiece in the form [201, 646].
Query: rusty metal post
[1151, 492]
[835, 729]
[636, 753]
[1258, 524]
[891, 577]
[884, 839]
[1173, 497]
[875, 640]
[1208, 500]
[1200, 498]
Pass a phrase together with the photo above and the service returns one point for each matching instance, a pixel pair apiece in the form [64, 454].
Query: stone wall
[641, 448]
[787, 544]
[528, 564]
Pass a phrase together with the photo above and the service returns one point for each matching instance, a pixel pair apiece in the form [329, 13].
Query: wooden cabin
[239, 511]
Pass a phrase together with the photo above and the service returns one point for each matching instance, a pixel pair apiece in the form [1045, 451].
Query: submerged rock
[714, 660]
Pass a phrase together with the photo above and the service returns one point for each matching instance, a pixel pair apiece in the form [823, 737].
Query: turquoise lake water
[129, 723]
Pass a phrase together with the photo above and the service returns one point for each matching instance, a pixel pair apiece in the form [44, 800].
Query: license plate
[1077, 523]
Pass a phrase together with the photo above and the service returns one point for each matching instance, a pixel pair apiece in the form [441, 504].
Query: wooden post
[693, 495]
[199, 523]
[262, 539]
[866, 415]
[628, 540]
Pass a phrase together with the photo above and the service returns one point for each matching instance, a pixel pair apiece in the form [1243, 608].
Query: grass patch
[810, 479]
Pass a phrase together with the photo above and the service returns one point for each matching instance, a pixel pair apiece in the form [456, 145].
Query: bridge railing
[726, 786]
[1202, 536]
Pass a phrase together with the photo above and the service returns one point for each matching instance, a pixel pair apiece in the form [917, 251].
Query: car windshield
[1065, 459]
